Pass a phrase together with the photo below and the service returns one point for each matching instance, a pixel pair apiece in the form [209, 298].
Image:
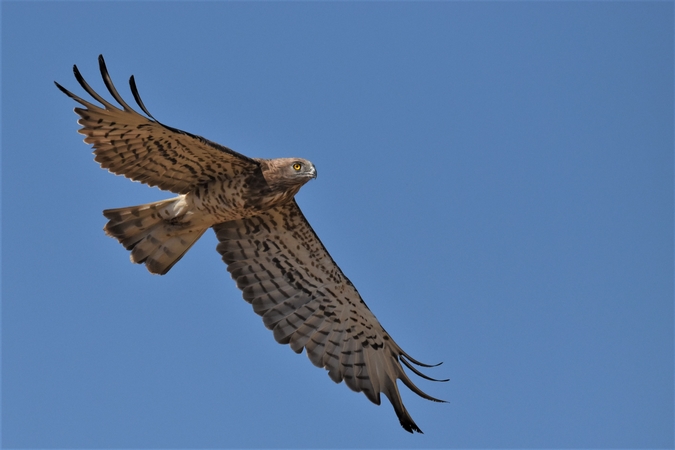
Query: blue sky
[495, 178]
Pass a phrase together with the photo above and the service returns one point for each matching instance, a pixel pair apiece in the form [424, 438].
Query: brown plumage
[270, 249]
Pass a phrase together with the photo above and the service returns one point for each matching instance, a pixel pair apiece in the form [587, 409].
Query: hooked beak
[313, 172]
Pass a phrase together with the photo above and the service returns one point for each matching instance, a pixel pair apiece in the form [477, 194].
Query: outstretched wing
[290, 279]
[141, 148]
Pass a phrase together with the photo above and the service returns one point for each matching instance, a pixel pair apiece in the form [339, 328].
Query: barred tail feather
[151, 234]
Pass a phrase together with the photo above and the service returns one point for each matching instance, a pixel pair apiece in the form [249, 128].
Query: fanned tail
[152, 234]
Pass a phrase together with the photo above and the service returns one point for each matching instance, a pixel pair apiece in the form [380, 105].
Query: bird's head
[289, 172]
[298, 169]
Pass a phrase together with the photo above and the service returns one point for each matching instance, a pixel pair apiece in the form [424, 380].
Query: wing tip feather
[419, 373]
[410, 426]
[137, 97]
[111, 86]
[62, 89]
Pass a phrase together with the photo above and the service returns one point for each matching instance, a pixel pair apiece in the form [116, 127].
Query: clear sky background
[495, 178]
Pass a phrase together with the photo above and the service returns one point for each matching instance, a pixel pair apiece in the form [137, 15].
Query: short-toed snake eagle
[270, 249]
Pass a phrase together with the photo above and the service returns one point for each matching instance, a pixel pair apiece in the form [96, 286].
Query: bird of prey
[271, 251]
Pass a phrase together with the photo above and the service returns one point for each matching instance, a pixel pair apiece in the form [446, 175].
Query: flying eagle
[271, 251]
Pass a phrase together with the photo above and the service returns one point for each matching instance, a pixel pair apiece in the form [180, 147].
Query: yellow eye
[297, 166]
